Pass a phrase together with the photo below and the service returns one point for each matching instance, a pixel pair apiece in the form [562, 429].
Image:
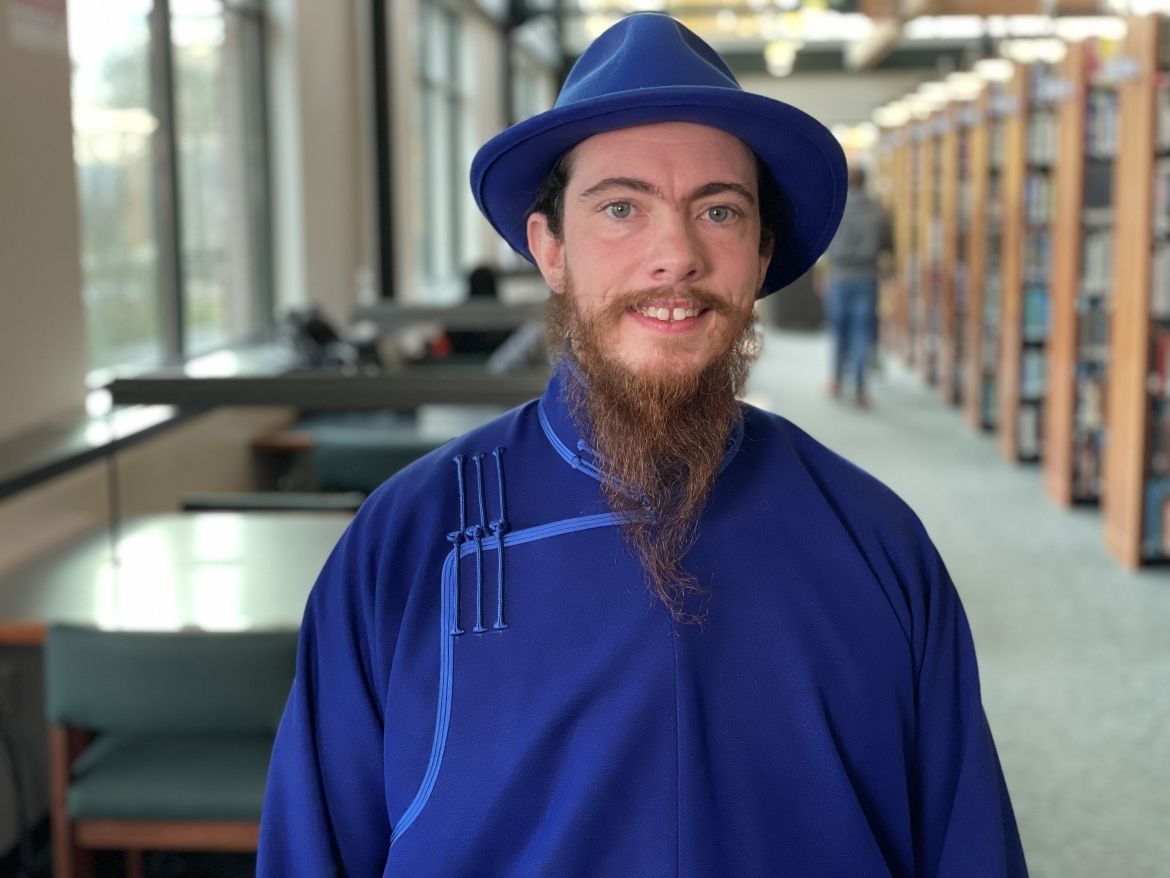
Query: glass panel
[112, 131]
[209, 119]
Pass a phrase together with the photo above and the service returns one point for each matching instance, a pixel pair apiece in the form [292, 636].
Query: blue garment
[852, 312]
[825, 721]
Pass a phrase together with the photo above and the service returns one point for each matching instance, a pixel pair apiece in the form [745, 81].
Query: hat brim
[804, 158]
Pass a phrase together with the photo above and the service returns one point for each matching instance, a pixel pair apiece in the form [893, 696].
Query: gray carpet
[1074, 652]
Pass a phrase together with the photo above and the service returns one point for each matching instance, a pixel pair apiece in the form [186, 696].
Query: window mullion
[167, 203]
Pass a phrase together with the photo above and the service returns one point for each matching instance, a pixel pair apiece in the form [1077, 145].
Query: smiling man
[636, 627]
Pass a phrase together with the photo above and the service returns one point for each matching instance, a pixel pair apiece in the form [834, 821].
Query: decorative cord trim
[447, 632]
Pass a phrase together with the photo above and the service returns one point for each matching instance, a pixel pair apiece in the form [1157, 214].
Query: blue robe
[464, 710]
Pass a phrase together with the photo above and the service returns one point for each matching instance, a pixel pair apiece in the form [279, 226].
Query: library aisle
[1073, 650]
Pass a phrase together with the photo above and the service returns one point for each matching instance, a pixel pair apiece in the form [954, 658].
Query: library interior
[253, 310]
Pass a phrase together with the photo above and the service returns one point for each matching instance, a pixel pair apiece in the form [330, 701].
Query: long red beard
[660, 436]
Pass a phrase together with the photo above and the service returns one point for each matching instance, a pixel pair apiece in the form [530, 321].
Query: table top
[404, 389]
[205, 571]
[473, 314]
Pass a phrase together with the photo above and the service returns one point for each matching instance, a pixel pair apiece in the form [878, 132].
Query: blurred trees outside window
[204, 204]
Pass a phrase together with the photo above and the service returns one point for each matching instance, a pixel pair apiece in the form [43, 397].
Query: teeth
[666, 315]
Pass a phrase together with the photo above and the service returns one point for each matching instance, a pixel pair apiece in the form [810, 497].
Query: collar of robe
[567, 437]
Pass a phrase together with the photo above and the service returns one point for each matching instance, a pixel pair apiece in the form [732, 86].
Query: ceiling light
[1076, 29]
[944, 27]
[964, 85]
[994, 69]
[1048, 50]
[780, 56]
[892, 115]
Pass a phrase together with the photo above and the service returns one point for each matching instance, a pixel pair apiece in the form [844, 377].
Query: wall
[319, 172]
[483, 71]
[42, 359]
[838, 98]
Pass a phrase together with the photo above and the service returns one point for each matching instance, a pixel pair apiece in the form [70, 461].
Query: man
[636, 628]
[855, 257]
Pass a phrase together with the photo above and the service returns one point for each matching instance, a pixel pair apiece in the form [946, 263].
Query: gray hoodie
[863, 235]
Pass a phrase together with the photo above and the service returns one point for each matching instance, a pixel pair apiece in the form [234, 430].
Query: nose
[677, 253]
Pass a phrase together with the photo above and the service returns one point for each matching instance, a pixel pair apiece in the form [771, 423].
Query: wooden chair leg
[68, 860]
[62, 829]
[135, 864]
[82, 863]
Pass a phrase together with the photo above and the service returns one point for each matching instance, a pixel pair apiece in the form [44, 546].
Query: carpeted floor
[1074, 652]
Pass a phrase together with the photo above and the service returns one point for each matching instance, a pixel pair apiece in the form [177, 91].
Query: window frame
[166, 191]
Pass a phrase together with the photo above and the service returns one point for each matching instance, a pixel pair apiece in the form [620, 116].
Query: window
[175, 248]
[441, 111]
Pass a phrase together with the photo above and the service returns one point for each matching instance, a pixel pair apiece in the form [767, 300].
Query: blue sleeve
[964, 821]
[324, 808]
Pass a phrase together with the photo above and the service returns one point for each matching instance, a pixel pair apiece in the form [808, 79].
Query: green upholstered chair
[160, 741]
[358, 459]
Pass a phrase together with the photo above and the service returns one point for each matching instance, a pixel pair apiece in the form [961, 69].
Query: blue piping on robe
[449, 623]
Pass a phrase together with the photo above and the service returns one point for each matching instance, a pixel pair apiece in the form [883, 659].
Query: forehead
[666, 149]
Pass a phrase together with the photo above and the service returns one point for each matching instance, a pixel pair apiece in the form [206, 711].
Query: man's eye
[719, 214]
[619, 209]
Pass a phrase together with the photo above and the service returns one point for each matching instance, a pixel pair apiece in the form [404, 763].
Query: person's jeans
[852, 309]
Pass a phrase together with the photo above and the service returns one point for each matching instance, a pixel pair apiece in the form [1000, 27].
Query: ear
[548, 251]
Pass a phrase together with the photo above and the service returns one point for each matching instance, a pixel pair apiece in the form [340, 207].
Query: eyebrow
[633, 183]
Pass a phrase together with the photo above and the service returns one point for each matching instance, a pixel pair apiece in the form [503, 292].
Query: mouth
[668, 316]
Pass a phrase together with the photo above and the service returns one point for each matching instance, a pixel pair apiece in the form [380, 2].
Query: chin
[664, 363]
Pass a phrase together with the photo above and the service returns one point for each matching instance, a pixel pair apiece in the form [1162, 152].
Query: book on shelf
[1155, 539]
[1101, 122]
[1163, 56]
[1160, 281]
[1090, 400]
[1162, 114]
[1092, 328]
[1038, 254]
[1033, 374]
[1158, 384]
[1038, 197]
[1097, 264]
[1028, 431]
[1098, 186]
[989, 400]
[1035, 312]
[1042, 138]
[1086, 466]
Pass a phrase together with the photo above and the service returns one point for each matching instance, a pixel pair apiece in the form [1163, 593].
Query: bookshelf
[984, 249]
[957, 201]
[1030, 151]
[1136, 486]
[884, 183]
[928, 299]
[1082, 236]
[946, 206]
[897, 331]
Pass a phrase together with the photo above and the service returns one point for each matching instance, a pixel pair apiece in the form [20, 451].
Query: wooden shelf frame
[955, 170]
[1010, 345]
[1016, 276]
[1060, 412]
[1128, 404]
[977, 241]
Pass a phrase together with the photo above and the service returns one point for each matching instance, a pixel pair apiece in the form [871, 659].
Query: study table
[205, 571]
[483, 314]
[402, 389]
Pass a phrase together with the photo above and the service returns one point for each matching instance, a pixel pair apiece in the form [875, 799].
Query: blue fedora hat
[649, 68]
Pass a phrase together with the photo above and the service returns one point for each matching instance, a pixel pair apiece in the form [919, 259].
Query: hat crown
[644, 50]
